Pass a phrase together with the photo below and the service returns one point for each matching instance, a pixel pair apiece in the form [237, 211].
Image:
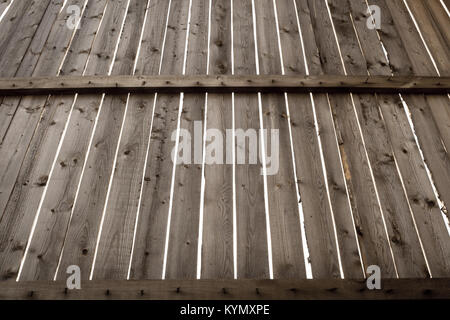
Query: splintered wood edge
[224, 84]
[318, 289]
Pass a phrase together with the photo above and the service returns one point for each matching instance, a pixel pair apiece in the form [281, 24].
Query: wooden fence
[92, 108]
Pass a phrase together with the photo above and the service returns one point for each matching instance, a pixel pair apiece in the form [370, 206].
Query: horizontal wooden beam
[224, 84]
[230, 289]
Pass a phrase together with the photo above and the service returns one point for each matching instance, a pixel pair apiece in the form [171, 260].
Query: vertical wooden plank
[81, 239]
[47, 241]
[404, 240]
[343, 216]
[115, 246]
[33, 20]
[368, 219]
[418, 188]
[19, 136]
[429, 221]
[431, 32]
[408, 55]
[32, 177]
[252, 249]
[439, 47]
[148, 255]
[183, 233]
[217, 249]
[441, 19]
[319, 227]
[12, 19]
[285, 228]
[19, 56]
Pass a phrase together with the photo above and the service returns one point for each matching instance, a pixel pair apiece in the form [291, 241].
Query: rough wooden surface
[368, 217]
[285, 228]
[88, 123]
[404, 241]
[217, 249]
[391, 289]
[184, 223]
[32, 174]
[251, 228]
[83, 230]
[428, 219]
[409, 55]
[148, 256]
[316, 207]
[225, 84]
[56, 209]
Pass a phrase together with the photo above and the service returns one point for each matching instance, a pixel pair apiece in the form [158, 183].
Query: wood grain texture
[224, 84]
[285, 227]
[337, 188]
[317, 212]
[435, 38]
[317, 289]
[4, 5]
[217, 249]
[184, 223]
[114, 255]
[425, 14]
[33, 174]
[82, 233]
[409, 55]
[148, 255]
[251, 232]
[19, 56]
[54, 216]
[404, 241]
[429, 222]
[368, 219]
[35, 21]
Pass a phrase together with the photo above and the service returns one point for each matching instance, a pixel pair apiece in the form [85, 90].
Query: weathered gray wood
[224, 84]
[285, 228]
[404, 240]
[434, 37]
[148, 255]
[440, 18]
[27, 18]
[251, 232]
[406, 49]
[440, 50]
[47, 241]
[114, 254]
[3, 5]
[33, 175]
[317, 212]
[429, 222]
[217, 249]
[316, 289]
[14, 45]
[337, 188]
[82, 233]
[184, 225]
[368, 219]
